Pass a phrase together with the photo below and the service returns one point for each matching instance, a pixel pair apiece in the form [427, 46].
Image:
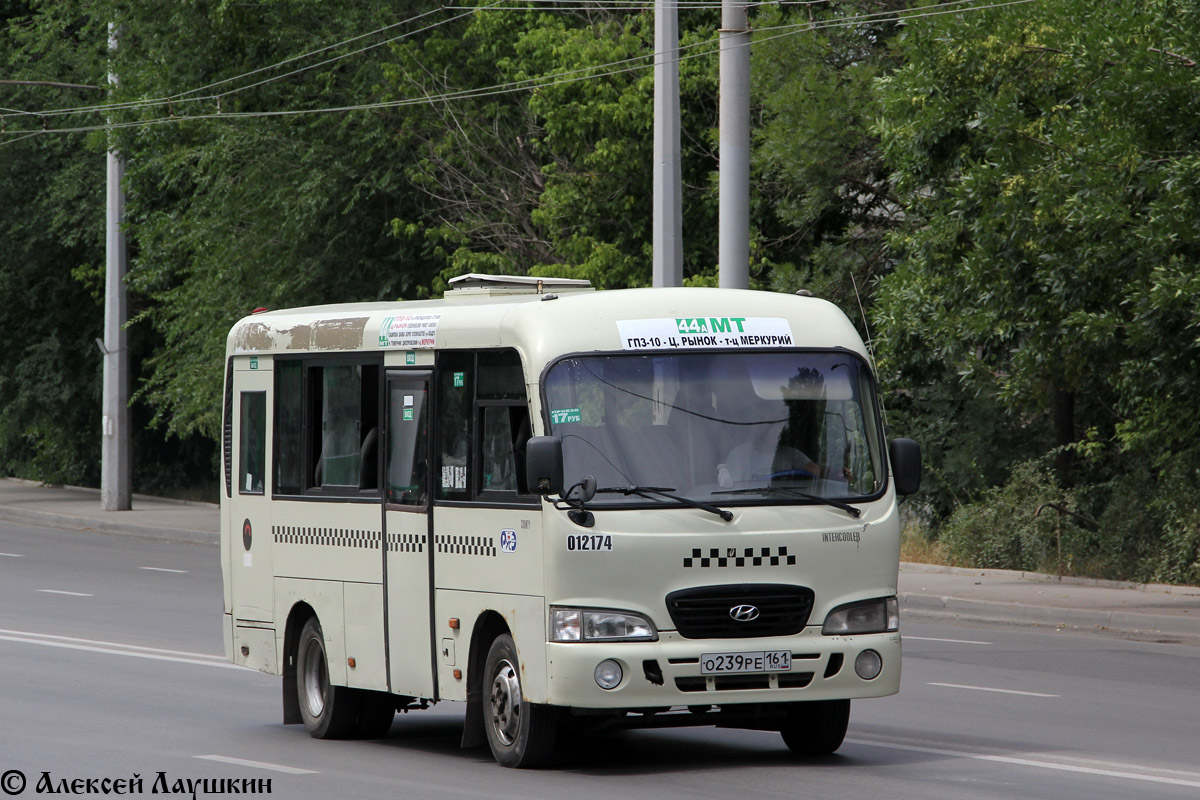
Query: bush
[1000, 531]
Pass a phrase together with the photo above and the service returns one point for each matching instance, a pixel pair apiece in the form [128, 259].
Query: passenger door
[408, 561]
[250, 553]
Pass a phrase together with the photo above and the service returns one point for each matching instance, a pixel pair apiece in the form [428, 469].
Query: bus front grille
[740, 611]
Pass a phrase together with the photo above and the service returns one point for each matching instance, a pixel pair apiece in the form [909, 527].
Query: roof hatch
[477, 285]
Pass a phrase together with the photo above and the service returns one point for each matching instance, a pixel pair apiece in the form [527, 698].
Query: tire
[520, 734]
[376, 715]
[329, 712]
[816, 728]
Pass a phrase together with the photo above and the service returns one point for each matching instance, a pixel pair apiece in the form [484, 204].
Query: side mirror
[544, 465]
[906, 465]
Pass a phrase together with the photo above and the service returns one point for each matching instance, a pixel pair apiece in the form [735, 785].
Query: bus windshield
[724, 428]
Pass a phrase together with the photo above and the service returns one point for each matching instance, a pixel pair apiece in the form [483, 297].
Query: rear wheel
[329, 712]
[376, 714]
[520, 734]
[816, 728]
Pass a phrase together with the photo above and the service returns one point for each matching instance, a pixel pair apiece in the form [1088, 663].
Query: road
[110, 667]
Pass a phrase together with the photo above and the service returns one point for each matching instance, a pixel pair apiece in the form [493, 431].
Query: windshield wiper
[666, 491]
[829, 501]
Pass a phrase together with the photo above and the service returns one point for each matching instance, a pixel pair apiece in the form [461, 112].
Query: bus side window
[252, 454]
[289, 427]
[499, 456]
[456, 391]
[503, 420]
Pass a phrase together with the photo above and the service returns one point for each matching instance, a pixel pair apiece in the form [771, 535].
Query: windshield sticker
[683, 333]
[565, 415]
[585, 542]
[411, 331]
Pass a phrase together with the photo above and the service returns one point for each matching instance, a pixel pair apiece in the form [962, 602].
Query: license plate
[756, 661]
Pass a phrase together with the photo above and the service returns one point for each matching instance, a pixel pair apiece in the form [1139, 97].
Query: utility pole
[668, 194]
[733, 248]
[116, 474]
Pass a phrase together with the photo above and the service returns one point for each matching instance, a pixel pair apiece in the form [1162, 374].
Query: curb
[69, 522]
[1126, 624]
[1040, 577]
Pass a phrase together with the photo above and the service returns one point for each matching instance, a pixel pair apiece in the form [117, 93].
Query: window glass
[500, 376]
[499, 460]
[340, 428]
[289, 431]
[253, 451]
[408, 428]
[456, 391]
[720, 427]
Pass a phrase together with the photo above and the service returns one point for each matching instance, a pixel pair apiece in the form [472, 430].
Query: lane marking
[12, 555]
[100, 643]
[70, 594]
[989, 689]
[951, 641]
[129, 651]
[241, 762]
[1129, 771]
[164, 569]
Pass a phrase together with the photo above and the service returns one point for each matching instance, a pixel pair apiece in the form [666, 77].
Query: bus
[567, 509]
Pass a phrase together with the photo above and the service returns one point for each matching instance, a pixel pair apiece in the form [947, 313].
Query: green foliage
[53, 223]
[1001, 530]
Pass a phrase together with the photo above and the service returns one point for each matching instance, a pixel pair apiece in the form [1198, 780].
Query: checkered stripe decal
[735, 557]
[406, 542]
[328, 537]
[466, 545]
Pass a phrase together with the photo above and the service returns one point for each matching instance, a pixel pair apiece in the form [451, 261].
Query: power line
[571, 76]
[184, 96]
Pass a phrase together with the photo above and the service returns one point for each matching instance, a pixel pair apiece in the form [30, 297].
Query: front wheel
[521, 734]
[817, 727]
[329, 712]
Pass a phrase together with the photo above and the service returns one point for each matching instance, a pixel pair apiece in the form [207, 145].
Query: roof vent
[476, 285]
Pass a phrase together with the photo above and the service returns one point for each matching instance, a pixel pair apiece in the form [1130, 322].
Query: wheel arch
[488, 626]
[300, 613]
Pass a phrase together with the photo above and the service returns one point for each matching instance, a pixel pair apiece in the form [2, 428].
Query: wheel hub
[505, 702]
[316, 683]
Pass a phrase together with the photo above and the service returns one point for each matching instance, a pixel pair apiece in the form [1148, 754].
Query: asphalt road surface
[111, 668]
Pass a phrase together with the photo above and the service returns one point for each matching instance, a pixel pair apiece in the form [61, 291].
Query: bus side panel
[525, 616]
[487, 549]
[328, 539]
[364, 636]
[326, 599]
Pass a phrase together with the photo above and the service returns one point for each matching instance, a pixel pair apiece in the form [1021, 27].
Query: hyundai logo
[744, 613]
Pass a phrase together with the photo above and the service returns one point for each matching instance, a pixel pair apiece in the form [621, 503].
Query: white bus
[567, 509]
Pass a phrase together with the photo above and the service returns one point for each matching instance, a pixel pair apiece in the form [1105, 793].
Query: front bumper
[667, 673]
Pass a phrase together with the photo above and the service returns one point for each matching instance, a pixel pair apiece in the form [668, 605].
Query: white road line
[989, 689]
[12, 555]
[164, 569]
[932, 639]
[241, 762]
[70, 594]
[99, 643]
[1129, 771]
[125, 650]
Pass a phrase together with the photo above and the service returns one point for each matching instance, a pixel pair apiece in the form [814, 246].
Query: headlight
[880, 615]
[595, 625]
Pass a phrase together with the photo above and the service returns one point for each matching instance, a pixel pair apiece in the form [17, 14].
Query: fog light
[608, 674]
[868, 665]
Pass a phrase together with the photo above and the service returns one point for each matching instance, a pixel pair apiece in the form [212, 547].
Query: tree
[1046, 155]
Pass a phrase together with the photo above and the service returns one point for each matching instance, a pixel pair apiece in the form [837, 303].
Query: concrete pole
[668, 194]
[116, 474]
[733, 248]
